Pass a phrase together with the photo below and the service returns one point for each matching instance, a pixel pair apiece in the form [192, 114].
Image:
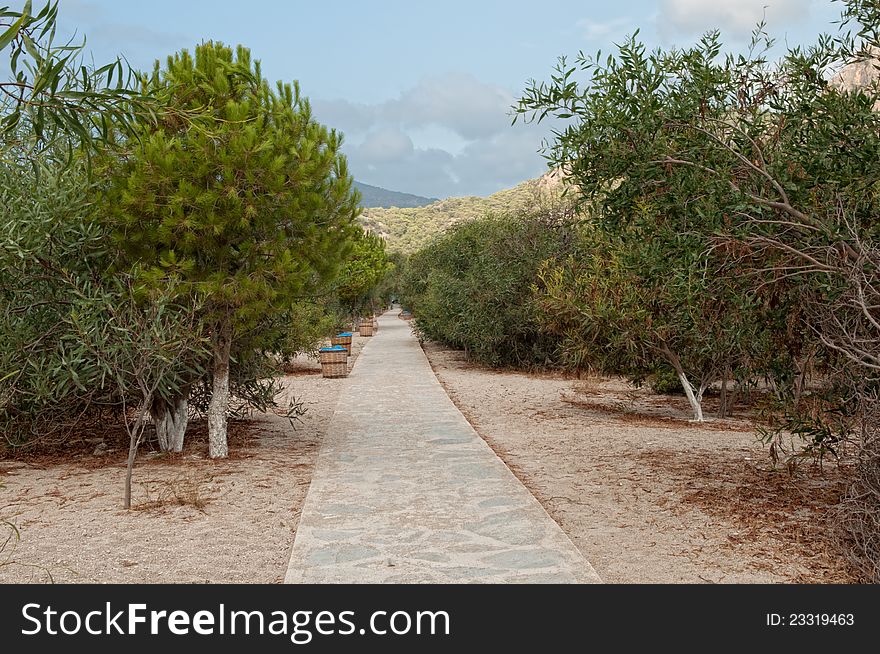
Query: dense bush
[68, 326]
[75, 340]
[473, 287]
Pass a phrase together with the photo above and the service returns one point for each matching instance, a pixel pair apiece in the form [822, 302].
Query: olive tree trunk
[171, 419]
[217, 445]
[695, 398]
[722, 400]
[135, 438]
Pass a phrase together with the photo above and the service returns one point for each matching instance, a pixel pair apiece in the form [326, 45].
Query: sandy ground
[646, 495]
[195, 520]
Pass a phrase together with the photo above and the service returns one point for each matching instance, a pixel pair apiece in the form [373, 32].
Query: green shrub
[473, 287]
[666, 382]
[69, 325]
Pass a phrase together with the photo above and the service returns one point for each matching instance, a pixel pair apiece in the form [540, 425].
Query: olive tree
[652, 292]
[771, 168]
[58, 291]
[52, 96]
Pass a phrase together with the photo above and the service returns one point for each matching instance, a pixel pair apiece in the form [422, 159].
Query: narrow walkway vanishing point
[405, 491]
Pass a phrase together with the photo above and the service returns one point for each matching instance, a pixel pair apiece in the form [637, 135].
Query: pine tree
[357, 287]
[246, 204]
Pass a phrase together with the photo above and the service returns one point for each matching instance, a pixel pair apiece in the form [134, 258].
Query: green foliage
[75, 341]
[629, 302]
[699, 170]
[48, 257]
[388, 289]
[472, 288]
[69, 329]
[358, 284]
[666, 382]
[249, 204]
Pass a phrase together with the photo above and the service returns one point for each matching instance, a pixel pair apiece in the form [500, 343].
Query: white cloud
[345, 116]
[482, 167]
[385, 144]
[593, 30]
[737, 17]
[456, 101]
[459, 101]
[448, 135]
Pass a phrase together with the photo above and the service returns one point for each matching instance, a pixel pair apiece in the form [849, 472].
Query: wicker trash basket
[366, 328]
[343, 339]
[334, 361]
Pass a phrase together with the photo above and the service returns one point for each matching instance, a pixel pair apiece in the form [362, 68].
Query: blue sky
[422, 89]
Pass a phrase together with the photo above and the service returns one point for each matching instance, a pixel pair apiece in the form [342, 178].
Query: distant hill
[375, 196]
[408, 229]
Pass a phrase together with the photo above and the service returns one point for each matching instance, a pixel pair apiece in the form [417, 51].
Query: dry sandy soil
[645, 494]
[195, 520]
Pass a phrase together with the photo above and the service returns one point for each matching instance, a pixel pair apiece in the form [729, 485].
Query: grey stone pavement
[405, 491]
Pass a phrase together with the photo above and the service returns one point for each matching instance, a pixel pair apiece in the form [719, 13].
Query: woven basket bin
[344, 341]
[366, 329]
[334, 364]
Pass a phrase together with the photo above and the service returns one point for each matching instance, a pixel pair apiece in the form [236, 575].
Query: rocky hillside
[408, 229]
[860, 75]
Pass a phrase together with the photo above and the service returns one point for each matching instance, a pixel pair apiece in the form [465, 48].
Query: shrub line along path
[405, 491]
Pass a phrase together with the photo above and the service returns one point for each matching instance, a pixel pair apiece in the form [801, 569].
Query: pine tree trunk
[170, 419]
[217, 445]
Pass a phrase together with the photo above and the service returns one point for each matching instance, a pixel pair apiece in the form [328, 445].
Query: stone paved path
[405, 491]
